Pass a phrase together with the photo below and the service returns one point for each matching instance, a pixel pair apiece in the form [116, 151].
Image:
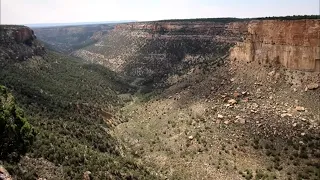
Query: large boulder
[4, 175]
[24, 35]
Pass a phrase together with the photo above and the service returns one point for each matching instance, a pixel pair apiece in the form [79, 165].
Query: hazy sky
[66, 11]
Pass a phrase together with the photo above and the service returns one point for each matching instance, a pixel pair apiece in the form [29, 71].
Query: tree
[16, 134]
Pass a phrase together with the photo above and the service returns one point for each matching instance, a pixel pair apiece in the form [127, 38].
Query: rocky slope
[157, 48]
[18, 43]
[215, 117]
[236, 121]
[70, 104]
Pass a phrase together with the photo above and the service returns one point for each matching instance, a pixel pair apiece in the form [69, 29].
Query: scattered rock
[86, 175]
[272, 73]
[232, 101]
[303, 134]
[220, 116]
[226, 122]
[300, 108]
[190, 137]
[294, 124]
[240, 120]
[286, 115]
[245, 100]
[236, 94]
[312, 86]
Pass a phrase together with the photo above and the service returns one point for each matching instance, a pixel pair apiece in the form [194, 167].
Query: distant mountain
[75, 23]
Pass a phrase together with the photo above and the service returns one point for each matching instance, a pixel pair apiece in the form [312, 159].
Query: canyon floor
[236, 121]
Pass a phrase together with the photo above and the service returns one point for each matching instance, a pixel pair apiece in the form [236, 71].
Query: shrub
[16, 133]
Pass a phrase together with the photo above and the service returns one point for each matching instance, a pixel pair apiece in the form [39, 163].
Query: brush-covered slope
[70, 103]
[16, 134]
[154, 49]
[18, 43]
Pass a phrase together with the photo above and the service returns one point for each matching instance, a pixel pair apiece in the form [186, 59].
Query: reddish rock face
[23, 35]
[18, 43]
[294, 44]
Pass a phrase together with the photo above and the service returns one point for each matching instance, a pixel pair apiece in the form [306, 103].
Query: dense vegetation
[231, 19]
[66, 100]
[16, 133]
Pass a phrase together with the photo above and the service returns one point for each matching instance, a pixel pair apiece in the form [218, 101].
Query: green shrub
[16, 133]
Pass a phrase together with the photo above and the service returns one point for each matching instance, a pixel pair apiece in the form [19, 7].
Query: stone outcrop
[18, 43]
[4, 175]
[294, 44]
[225, 32]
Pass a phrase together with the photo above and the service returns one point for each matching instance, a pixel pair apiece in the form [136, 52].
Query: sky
[69, 11]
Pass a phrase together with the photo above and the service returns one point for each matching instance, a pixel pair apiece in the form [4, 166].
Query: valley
[220, 98]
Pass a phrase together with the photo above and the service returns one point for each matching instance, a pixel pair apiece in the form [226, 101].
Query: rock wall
[225, 32]
[294, 44]
[18, 43]
[157, 48]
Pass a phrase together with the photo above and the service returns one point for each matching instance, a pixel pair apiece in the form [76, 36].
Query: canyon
[293, 44]
[220, 98]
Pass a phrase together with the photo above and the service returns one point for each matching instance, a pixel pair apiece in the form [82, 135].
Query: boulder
[87, 175]
[4, 175]
[313, 86]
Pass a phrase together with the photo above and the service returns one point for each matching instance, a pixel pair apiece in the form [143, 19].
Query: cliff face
[18, 43]
[158, 48]
[224, 32]
[293, 44]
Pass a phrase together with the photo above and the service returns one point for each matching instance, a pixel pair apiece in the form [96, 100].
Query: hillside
[174, 99]
[69, 102]
[153, 49]
[228, 100]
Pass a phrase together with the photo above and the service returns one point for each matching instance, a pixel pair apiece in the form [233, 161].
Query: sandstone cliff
[18, 43]
[293, 44]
